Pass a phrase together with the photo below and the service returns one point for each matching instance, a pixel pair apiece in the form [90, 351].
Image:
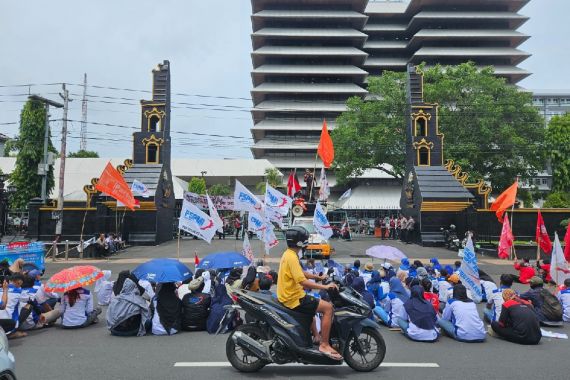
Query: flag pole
[538, 244]
[178, 246]
[513, 250]
[314, 173]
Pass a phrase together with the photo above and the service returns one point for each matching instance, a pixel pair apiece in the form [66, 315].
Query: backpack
[551, 307]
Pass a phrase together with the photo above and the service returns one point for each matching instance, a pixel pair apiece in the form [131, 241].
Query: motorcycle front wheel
[242, 359]
[365, 352]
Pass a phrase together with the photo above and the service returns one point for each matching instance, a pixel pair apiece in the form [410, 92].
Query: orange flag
[112, 183]
[326, 147]
[505, 200]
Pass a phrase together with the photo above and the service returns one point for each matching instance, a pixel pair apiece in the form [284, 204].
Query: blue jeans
[383, 315]
[404, 325]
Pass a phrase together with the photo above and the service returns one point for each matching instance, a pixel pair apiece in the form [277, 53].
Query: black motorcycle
[451, 239]
[280, 335]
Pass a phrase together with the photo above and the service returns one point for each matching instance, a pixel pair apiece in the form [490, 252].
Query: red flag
[507, 239]
[505, 200]
[567, 243]
[196, 259]
[542, 238]
[326, 147]
[293, 185]
[112, 183]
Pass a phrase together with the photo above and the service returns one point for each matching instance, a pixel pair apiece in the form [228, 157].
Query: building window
[152, 153]
[423, 156]
[154, 123]
[544, 181]
[421, 127]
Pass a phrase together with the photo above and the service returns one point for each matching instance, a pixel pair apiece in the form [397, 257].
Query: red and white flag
[293, 185]
[246, 250]
[542, 238]
[559, 270]
[507, 239]
[567, 243]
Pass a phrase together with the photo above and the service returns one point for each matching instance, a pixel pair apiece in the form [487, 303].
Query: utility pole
[83, 144]
[43, 167]
[59, 224]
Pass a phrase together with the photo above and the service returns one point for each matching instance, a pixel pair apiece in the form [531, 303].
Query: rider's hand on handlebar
[331, 286]
[322, 277]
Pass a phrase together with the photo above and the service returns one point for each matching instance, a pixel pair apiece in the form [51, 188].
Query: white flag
[244, 200]
[196, 222]
[559, 270]
[257, 224]
[321, 222]
[139, 188]
[324, 190]
[247, 251]
[269, 239]
[345, 195]
[214, 213]
[274, 216]
[469, 271]
[279, 201]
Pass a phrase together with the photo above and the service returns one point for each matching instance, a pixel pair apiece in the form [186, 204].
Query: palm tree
[273, 177]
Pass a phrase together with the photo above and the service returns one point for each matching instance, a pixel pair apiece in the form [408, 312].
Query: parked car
[318, 247]
[7, 361]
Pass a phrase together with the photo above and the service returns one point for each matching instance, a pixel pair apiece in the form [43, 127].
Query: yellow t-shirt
[289, 289]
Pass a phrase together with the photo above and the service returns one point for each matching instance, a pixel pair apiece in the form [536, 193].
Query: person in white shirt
[420, 317]
[461, 319]
[77, 309]
[442, 288]
[495, 299]
[104, 289]
[564, 298]
[9, 307]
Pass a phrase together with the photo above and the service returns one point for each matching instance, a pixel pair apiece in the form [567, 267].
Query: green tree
[558, 148]
[10, 147]
[197, 185]
[491, 128]
[557, 199]
[219, 189]
[30, 153]
[273, 177]
[83, 154]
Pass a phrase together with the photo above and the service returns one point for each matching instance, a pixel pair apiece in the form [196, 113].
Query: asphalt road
[92, 353]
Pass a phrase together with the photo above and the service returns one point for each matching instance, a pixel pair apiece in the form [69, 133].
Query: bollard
[66, 250]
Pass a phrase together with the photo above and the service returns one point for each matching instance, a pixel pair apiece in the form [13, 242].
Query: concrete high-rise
[310, 56]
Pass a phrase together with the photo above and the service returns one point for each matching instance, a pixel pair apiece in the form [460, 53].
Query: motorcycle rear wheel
[240, 358]
[373, 351]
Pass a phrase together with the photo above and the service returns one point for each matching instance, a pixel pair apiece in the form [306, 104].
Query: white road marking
[227, 364]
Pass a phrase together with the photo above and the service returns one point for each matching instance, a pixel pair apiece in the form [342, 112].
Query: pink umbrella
[385, 252]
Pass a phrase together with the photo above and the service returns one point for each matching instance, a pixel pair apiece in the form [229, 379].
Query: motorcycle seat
[270, 300]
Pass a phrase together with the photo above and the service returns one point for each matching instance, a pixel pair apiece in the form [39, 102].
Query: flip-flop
[332, 354]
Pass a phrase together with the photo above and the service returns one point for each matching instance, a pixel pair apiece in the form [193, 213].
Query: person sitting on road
[404, 267]
[265, 283]
[77, 309]
[432, 298]
[11, 294]
[17, 266]
[378, 287]
[495, 299]
[419, 318]
[104, 289]
[453, 281]
[220, 298]
[393, 307]
[293, 281]
[443, 287]
[526, 271]
[250, 281]
[167, 307]
[564, 298]
[358, 285]
[546, 306]
[435, 264]
[367, 272]
[182, 287]
[518, 322]
[460, 318]
[128, 313]
[457, 266]
[487, 289]
[356, 266]
[45, 300]
[196, 306]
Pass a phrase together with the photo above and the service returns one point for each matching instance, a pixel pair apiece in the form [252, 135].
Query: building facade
[310, 56]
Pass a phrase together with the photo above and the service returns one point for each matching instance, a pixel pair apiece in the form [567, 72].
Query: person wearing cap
[367, 272]
[518, 322]
[388, 271]
[537, 296]
[195, 306]
[404, 266]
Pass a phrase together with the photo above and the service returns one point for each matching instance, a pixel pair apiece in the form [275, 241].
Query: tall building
[310, 56]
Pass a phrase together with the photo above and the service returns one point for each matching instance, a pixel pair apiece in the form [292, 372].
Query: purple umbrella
[385, 252]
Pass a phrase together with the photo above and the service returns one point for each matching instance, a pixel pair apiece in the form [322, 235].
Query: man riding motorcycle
[293, 282]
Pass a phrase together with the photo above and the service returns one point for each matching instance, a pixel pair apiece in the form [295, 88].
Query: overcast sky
[117, 43]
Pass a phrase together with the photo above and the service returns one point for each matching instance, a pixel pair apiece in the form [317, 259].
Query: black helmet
[297, 237]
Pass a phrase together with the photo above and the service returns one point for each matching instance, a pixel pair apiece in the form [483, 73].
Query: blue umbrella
[223, 260]
[163, 270]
